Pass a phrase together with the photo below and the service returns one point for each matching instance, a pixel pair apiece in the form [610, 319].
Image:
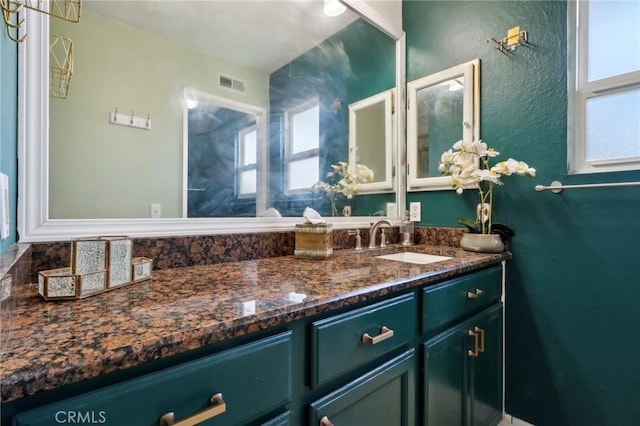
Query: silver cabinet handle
[474, 294]
[385, 333]
[216, 406]
[324, 421]
[478, 338]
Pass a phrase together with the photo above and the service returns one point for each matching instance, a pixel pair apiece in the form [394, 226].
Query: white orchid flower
[467, 162]
[483, 212]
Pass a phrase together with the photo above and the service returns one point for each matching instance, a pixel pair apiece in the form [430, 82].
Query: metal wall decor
[68, 10]
[60, 65]
[98, 264]
[10, 15]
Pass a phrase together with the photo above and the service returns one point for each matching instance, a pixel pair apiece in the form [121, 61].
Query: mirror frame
[386, 98]
[470, 125]
[34, 224]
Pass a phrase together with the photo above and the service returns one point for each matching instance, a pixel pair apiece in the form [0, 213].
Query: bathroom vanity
[352, 339]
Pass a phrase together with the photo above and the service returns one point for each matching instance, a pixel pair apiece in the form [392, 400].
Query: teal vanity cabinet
[462, 354]
[231, 387]
[429, 355]
[385, 395]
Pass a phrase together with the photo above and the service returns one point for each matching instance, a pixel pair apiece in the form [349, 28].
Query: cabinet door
[463, 373]
[444, 381]
[383, 397]
[485, 372]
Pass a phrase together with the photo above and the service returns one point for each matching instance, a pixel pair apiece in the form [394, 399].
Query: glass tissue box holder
[97, 265]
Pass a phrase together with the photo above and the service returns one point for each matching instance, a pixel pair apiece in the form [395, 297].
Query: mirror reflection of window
[303, 146]
[247, 166]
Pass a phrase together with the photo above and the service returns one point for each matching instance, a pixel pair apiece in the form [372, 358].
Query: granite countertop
[50, 344]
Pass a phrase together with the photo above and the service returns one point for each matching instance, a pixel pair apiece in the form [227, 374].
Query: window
[247, 162]
[605, 84]
[302, 161]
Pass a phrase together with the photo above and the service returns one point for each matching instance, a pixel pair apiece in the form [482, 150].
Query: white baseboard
[509, 419]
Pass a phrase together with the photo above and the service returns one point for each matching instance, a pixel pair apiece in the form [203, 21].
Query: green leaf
[505, 232]
[471, 225]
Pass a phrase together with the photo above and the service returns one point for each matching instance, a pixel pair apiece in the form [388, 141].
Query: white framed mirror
[442, 108]
[35, 221]
[371, 132]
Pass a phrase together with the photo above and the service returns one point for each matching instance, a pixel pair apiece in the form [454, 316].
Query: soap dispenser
[406, 230]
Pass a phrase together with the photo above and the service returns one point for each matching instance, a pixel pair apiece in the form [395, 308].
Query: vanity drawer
[253, 380]
[454, 300]
[345, 341]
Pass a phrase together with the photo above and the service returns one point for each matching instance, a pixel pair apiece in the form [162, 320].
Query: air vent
[232, 83]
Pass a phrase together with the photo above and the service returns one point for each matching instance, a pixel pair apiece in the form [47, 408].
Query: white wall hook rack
[130, 120]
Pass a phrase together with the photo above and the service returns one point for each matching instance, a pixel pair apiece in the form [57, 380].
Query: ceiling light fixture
[334, 7]
[192, 103]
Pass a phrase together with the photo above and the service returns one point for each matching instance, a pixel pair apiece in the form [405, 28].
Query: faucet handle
[356, 232]
[383, 238]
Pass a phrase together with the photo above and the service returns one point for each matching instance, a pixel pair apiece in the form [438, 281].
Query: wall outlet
[414, 211]
[392, 210]
[156, 210]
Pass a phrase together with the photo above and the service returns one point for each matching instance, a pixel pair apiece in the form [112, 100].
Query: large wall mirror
[220, 95]
[443, 108]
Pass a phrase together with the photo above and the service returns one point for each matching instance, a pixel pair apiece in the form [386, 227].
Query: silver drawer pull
[324, 421]
[474, 294]
[476, 349]
[216, 406]
[478, 339]
[385, 333]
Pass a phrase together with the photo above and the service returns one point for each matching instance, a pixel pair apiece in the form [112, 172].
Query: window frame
[580, 90]
[240, 166]
[289, 156]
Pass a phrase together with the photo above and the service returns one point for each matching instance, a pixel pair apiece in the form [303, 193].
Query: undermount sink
[411, 257]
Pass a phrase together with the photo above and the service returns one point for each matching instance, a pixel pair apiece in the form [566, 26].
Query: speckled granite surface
[51, 344]
[177, 252]
[15, 268]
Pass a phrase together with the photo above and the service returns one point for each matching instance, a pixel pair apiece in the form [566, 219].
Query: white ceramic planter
[484, 243]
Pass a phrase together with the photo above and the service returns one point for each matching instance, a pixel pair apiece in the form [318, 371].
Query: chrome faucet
[374, 230]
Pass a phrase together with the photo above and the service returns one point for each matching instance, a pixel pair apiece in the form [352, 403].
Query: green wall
[8, 127]
[573, 333]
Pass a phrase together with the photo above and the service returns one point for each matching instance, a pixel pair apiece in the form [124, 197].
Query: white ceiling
[263, 34]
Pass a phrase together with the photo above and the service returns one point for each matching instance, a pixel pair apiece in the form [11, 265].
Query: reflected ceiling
[197, 24]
